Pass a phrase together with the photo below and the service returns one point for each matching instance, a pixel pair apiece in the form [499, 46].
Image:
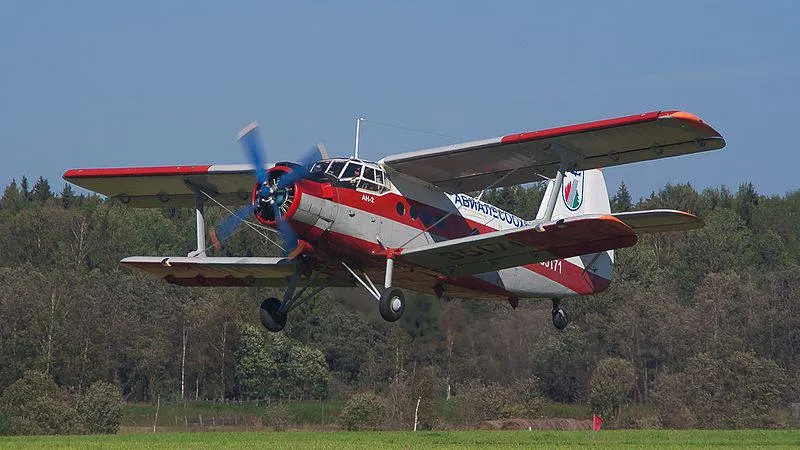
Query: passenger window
[369, 173]
[379, 178]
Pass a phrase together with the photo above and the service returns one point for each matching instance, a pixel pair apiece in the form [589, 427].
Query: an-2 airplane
[409, 219]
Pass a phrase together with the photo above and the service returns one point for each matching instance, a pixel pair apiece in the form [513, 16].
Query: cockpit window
[320, 166]
[335, 168]
[354, 173]
[353, 170]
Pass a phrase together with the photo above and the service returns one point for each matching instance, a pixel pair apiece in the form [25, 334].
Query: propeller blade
[313, 155]
[285, 229]
[228, 226]
[250, 140]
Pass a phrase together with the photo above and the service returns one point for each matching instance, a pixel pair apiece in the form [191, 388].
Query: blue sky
[104, 83]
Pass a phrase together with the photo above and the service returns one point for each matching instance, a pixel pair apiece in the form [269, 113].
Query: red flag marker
[597, 422]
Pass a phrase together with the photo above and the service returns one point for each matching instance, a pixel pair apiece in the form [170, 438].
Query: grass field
[453, 439]
[317, 415]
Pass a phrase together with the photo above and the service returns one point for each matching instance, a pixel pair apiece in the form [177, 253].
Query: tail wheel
[271, 317]
[392, 304]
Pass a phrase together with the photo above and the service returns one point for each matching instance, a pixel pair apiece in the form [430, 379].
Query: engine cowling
[287, 199]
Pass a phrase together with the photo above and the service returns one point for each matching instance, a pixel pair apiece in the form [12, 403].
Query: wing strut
[199, 199]
[569, 160]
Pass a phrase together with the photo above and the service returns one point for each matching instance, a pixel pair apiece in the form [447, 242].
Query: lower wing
[489, 252]
[227, 271]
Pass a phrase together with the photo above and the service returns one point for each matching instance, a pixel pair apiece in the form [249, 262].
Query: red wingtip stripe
[588, 126]
[136, 171]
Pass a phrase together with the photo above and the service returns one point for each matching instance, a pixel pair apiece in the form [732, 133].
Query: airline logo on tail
[572, 192]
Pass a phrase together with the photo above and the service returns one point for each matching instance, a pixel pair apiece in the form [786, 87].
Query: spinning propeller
[273, 193]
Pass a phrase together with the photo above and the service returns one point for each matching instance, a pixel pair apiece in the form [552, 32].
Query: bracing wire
[416, 130]
[254, 226]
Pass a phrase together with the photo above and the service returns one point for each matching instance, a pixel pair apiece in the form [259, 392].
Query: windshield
[353, 170]
[320, 166]
[335, 168]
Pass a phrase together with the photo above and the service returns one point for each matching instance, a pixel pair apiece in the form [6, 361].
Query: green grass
[457, 439]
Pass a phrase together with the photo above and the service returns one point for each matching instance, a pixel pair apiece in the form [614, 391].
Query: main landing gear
[271, 315]
[559, 317]
[391, 302]
[274, 312]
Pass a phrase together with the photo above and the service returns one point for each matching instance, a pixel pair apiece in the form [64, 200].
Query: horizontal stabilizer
[660, 220]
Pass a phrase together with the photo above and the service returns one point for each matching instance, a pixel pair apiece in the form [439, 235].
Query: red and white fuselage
[359, 218]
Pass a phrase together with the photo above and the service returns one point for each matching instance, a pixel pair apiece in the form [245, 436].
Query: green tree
[68, 196]
[621, 201]
[611, 385]
[34, 404]
[364, 411]
[737, 391]
[100, 408]
[41, 190]
[746, 201]
[275, 366]
[559, 361]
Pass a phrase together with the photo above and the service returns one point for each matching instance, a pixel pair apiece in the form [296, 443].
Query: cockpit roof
[336, 166]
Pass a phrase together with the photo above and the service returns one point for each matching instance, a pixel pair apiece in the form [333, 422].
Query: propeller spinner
[273, 193]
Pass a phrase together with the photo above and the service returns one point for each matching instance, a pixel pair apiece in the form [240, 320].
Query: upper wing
[159, 187]
[224, 271]
[526, 157]
[497, 250]
[659, 220]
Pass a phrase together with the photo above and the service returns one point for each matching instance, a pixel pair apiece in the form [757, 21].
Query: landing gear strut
[273, 312]
[559, 318]
[391, 302]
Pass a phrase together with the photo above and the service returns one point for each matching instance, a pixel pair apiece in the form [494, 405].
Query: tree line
[699, 329]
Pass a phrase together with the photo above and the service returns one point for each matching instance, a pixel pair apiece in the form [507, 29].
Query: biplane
[415, 220]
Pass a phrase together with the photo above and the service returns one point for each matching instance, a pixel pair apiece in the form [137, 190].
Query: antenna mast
[358, 132]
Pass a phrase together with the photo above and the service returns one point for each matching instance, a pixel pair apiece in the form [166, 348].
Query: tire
[271, 318]
[392, 304]
[559, 319]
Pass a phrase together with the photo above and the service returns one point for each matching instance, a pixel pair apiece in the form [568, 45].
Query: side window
[369, 185]
[379, 177]
[369, 178]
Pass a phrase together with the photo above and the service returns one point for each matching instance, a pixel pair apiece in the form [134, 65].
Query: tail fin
[584, 193]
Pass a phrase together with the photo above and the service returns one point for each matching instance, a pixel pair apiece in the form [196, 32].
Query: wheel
[559, 319]
[392, 304]
[271, 317]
